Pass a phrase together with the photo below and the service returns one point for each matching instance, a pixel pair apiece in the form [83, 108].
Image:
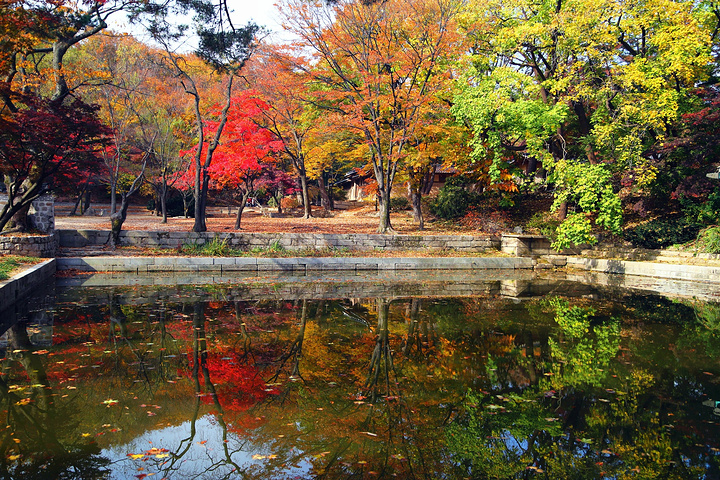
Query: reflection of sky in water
[202, 460]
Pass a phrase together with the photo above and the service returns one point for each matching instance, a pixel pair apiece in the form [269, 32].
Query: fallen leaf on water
[136, 456]
[203, 442]
[258, 457]
[109, 402]
[370, 433]
[155, 451]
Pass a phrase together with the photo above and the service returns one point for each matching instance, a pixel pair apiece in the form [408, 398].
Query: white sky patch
[263, 13]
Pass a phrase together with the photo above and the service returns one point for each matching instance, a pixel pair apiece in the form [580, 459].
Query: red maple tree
[244, 152]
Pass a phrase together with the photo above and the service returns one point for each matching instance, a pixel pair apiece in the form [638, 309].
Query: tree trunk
[186, 204]
[73, 212]
[86, 202]
[113, 197]
[306, 197]
[416, 203]
[116, 222]
[118, 218]
[243, 202]
[13, 215]
[325, 201]
[384, 207]
[200, 203]
[163, 204]
[278, 199]
[157, 209]
[19, 221]
[562, 211]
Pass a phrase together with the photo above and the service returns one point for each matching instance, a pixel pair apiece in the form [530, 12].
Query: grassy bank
[11, 264]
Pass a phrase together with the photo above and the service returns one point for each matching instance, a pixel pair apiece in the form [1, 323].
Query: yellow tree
[284, 88]
[377, 65]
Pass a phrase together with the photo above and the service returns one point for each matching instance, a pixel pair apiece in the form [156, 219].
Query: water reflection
[211, 382]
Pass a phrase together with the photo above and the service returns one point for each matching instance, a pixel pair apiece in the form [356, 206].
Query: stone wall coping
[523, 235]
[141, 265]
[694, 273]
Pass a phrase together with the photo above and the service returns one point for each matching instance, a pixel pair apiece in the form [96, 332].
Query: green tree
[584, 88]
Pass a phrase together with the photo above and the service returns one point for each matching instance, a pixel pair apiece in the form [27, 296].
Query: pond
[495, 375]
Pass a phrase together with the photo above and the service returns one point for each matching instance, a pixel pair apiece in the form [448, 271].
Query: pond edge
[20, 285]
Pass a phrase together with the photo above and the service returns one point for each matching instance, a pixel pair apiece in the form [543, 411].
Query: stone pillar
[41, 215]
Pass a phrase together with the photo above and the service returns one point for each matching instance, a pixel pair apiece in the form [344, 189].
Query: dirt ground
[353, 220]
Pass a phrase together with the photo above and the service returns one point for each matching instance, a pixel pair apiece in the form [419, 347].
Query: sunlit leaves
[619, 74]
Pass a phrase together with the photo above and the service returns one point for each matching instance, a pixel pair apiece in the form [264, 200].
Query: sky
[262, 12]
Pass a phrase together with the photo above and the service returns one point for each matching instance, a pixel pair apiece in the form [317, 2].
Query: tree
[34, 90]
[277, 184]
[284, 88]
[39, 140]
[224, 48]
[583, 89]
[437, 141]
[333, 152]
[377, 65]
[244, 149]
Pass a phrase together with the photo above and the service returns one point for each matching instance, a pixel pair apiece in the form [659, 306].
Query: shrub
[705, 212]
[708, 240]
[398, 204]
[213, 248]
[453, 200]
[662, 233]
[289, 202]
[575, 230]
[545, 223]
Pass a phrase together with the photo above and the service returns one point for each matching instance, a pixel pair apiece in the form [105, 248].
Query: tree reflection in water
[30, 447]
[585, 418]
[475, 387]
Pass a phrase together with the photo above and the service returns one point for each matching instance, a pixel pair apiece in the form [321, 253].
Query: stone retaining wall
[22, 284]
[44, 246]
[288, 241]
[144, 265]
[693, 273]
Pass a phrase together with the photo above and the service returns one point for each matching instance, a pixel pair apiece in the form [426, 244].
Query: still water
[281, 378]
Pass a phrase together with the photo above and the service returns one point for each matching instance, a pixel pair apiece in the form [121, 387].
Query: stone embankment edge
[695, 273]
[23, 283]
[145, 265]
